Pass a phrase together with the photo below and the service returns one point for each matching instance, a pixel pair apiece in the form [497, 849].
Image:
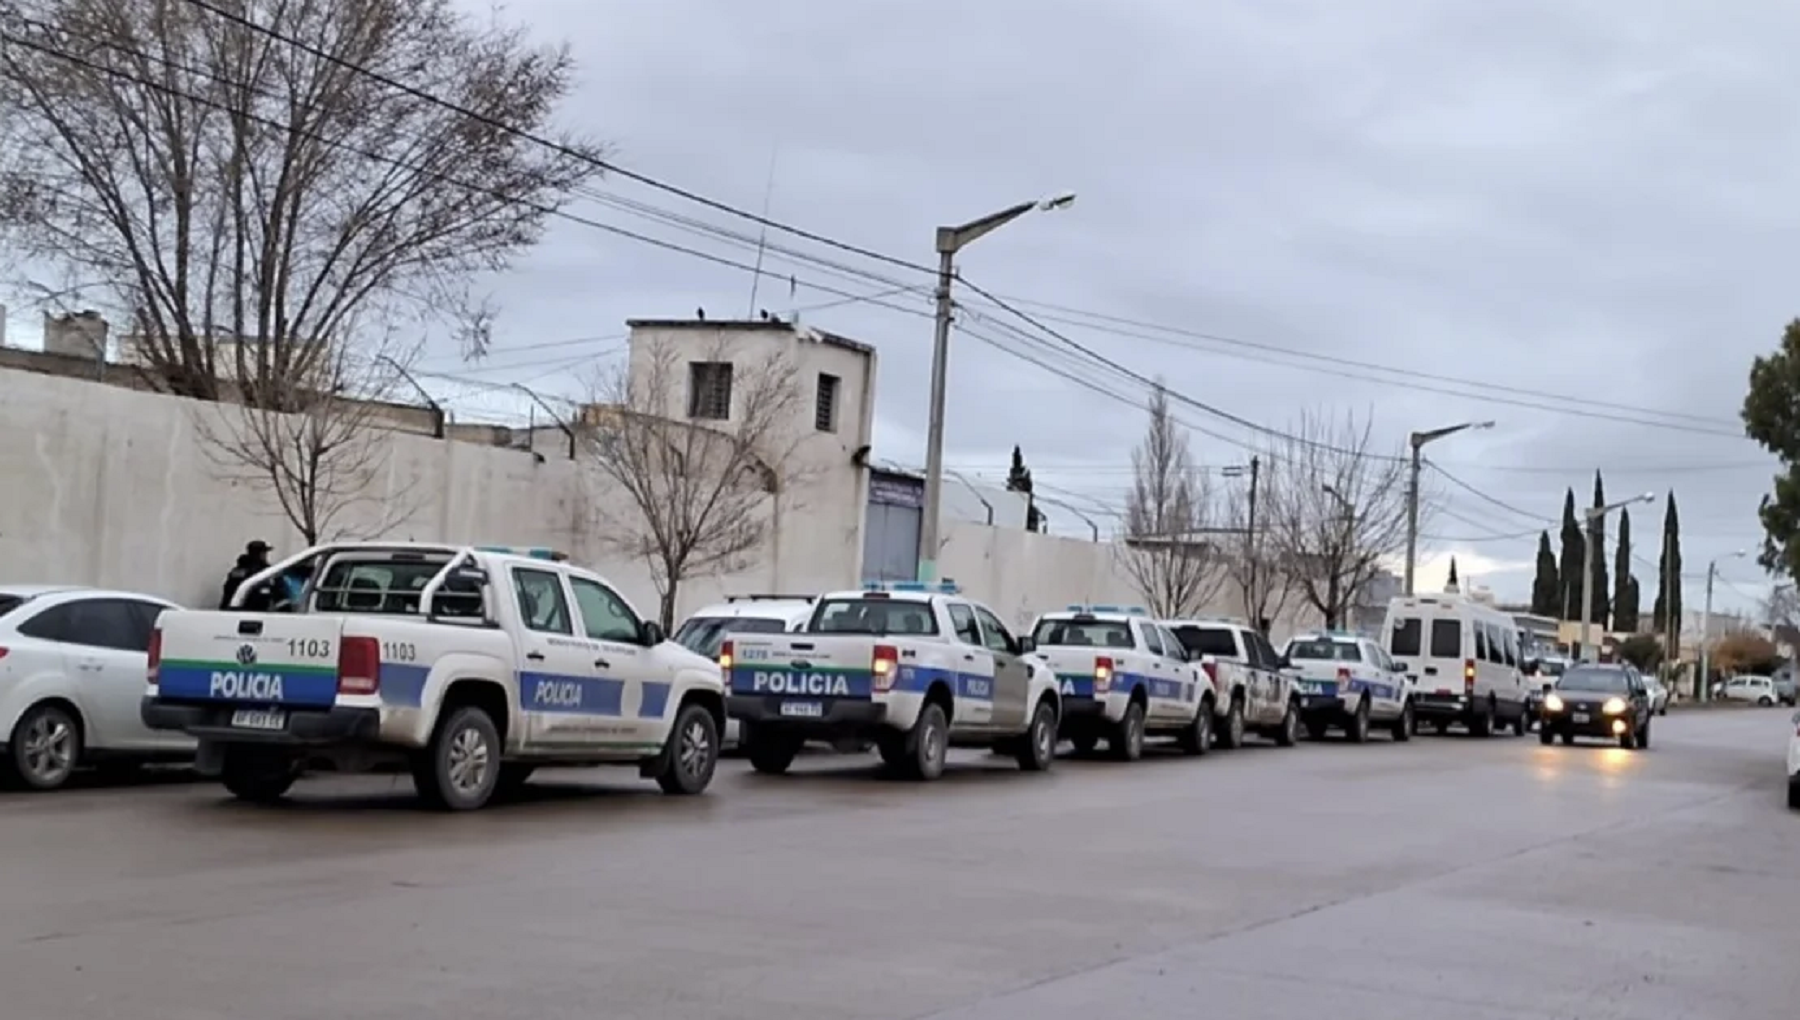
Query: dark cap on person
[257, 548]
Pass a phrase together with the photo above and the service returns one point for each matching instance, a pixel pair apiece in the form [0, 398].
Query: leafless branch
[1251, 564]
[225, 184]
[322, 447]
[1170, 549]
[698, 496]
[1334, 514]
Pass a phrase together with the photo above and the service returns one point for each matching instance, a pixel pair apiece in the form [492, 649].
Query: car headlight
[1552, 703]
[1613, 706]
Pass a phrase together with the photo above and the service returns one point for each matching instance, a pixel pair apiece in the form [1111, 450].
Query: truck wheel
[45, 746]
[1084, 742]
[1546, 736]
[1232, 736]
[1404, 726]
[928, 744]
[1127, 741]
[1198, 737]
[1288, 733]
[1643, 736]
[257, 778]
[692, 753]
[1357, 732]
[461, 766]
[1316, 729]
[1794, 793]
[1037, 748]
[772, 753]
[1482, 722]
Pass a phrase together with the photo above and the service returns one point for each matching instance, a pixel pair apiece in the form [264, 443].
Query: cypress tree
[1602, 591]
[1573, 546]
[1546, 587]
[1625, 596]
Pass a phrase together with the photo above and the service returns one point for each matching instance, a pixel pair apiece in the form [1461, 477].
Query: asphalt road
[1445, 878]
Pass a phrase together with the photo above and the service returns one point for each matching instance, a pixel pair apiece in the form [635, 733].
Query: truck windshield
[872, 616]
[1338, 651]
[704, 634]
[1083, 633]
[392, 586]
[1218, 641]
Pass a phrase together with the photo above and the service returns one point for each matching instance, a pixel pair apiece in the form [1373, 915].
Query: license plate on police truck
[1581, 717]
[259, 719]
[803, 709]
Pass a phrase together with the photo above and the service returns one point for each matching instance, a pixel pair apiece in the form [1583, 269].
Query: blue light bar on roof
[944, 587]
[1124, 610]
[531, 552]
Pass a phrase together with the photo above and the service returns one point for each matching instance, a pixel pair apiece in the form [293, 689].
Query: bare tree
[703, 466]
[217, 182]
[1250, 561]
[322, 446]
[1170, 548]
[1336, 508]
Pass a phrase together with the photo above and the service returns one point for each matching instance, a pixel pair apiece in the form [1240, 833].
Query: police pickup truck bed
[1123, 677]
[912, 670]
[514, 662]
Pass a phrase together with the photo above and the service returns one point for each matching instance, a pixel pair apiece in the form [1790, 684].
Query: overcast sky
[1589, 201]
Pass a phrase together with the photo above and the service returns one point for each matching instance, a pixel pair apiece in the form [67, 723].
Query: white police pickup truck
[913, 669]
[1123, 677]
[470, 667]
[1348, 681]
[1255, 694]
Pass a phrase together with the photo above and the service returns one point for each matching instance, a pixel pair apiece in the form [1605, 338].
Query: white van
[1463, 658]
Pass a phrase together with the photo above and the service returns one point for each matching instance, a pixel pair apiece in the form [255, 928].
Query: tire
[1568, 739]
[1522, 724]
[1482, 723]
[257, 778]
[1357, 729]
[1084, 742]
[1546, 736]
[1197, 739]
[1643, 736]
[928, 745]
[1316, 729]
[1127, 741]
[1765, 701]
[692, 753]
[772, 753]
[1037, 748]
[1794, 794]
[1232, 736]
[45, 747]
[460, 768]
[1288, 734]
[892, 748]
[1628, 740]
[1406, 724]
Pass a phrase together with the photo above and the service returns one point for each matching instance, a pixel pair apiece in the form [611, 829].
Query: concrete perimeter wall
[103, 485]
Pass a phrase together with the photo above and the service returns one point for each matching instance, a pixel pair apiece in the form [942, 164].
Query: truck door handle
[968, 658]
[535, 656]
[602, 664]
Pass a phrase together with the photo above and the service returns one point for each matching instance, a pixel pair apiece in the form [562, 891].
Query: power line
[551, 144]
[1502, 504]
[1481, 386]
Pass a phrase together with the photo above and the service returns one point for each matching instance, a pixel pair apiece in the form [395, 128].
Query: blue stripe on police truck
[655, 700]
[403, 685]
[268, 685]
[1075, 685]
[572, 695]
[854, 683]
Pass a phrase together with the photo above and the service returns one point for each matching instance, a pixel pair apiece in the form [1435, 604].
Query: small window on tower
[825, 416]
[709, 390]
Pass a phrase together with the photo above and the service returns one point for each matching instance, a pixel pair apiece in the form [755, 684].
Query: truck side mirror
[1025, 645]
[650, 634]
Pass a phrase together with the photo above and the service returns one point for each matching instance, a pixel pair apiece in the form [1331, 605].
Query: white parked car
[1793, 764]
[72, 665]
[1759, 690]
[1659, 694]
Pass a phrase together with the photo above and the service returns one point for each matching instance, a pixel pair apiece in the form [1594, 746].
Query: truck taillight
[359, 666]
[1343, 674]
[1212, 671]
[884, 664]
[155, 654]
[1469, 676]
[1103, 672]
[725, 656]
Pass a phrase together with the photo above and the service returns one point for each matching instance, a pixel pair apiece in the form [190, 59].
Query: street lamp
[1418, 440]
[1703, 689]
[1596, 514]
[951, 240]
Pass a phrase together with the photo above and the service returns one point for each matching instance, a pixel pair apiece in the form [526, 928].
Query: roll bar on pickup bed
[459, 557]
